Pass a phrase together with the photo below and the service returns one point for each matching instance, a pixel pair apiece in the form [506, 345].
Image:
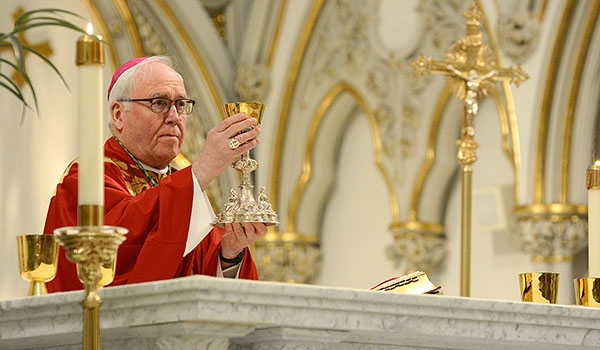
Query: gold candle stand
[90, 247]
[93, 247]
[241, 206]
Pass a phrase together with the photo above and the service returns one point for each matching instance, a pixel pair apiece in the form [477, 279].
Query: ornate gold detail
[551, 232]
[417, 245]
[287, 257]
[91, 247]
[242, 207]
[473, 71]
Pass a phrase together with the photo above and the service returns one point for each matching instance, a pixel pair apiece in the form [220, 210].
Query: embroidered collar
[143, 167]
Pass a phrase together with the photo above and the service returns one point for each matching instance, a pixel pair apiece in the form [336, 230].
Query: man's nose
[172, 114]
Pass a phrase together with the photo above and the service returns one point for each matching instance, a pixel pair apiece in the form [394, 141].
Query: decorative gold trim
[192, 50]
[551, 259]
[310, 143]
[412, 227]
[554, 210]
[430, 154]
[287, 98]
[547, 99]
[586, 40]
[287, 237]
[510, 106]
[277, 32]
[543, 11]
[181, 161]
[104, 31]
[134, 35]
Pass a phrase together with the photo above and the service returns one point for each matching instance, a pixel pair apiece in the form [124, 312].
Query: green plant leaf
[48, 62]
[40, 18]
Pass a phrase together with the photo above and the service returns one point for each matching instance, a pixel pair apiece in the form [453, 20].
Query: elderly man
[167, 212]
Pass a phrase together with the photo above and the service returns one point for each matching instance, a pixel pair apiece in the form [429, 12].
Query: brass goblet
[241, 206]
[587, 291]
[539, 287]
[38, 261]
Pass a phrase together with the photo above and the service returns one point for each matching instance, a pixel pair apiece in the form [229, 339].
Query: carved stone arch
[552, 216]
[327, 128]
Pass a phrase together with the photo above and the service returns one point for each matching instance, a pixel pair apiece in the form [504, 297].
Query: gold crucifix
[473, 72]
[43, 48]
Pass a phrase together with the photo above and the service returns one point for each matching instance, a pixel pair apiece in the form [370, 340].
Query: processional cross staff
[473, 73]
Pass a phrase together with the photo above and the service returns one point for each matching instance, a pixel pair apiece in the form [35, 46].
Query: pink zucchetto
[131, 63]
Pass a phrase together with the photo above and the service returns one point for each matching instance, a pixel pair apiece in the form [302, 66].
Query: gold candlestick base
[587, 291]
[91, 248]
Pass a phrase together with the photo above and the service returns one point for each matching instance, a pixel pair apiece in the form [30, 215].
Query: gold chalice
[587, 291]
[38, 260]
[242, 206]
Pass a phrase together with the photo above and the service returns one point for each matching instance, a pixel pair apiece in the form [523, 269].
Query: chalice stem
[37, 288]
[246, 180]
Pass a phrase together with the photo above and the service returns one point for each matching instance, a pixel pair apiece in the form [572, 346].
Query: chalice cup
[242, 205]
[38, 261]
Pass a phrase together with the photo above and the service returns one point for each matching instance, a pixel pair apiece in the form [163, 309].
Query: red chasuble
[157, 218]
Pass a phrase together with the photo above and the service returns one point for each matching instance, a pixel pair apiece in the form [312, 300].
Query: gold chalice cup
[539, 287]
[242, 205]
[587, 291]
[38, 260]
[251, 109]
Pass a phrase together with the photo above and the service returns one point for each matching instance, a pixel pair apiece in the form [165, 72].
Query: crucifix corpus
[473, 73]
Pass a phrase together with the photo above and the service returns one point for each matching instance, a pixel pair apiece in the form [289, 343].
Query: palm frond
[29, 20]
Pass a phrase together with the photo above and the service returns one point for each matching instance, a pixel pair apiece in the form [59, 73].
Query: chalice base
[242, 207]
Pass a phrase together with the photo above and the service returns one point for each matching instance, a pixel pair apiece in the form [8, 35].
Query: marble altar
[201, 312]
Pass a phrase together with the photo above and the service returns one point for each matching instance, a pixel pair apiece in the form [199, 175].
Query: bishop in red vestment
[167, 212]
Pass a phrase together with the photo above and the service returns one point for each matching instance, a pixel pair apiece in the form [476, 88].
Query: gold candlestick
[91, 247]
[241, 206]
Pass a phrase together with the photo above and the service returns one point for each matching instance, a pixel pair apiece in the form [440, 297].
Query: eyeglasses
[161, 104]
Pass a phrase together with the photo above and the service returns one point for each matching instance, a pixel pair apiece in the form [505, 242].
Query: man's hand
[217, 155]
[239, 236]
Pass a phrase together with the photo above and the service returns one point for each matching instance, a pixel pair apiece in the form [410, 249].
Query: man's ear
[116, 115]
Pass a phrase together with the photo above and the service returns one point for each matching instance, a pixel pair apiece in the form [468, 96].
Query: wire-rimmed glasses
[162, 104]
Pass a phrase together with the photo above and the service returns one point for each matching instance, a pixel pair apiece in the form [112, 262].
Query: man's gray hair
[126, 82]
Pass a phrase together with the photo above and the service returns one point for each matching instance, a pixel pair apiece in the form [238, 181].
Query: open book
[413, 283]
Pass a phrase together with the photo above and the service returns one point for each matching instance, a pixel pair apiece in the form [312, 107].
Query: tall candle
[593, 189]
[90, 60]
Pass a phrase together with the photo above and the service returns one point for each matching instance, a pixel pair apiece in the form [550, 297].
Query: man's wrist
[238, 259]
